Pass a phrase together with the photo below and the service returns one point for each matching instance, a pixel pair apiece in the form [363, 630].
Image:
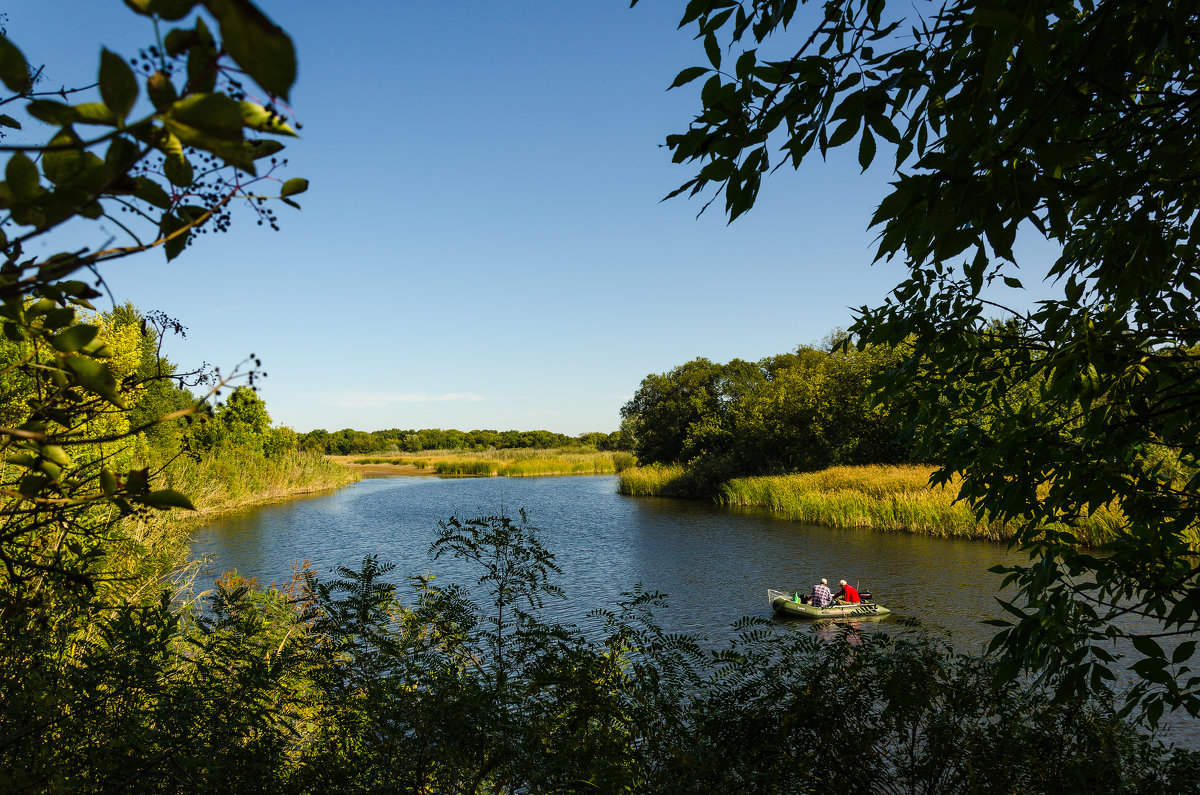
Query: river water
[714, 564]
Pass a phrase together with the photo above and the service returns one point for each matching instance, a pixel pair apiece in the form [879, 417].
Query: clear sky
[483, 245]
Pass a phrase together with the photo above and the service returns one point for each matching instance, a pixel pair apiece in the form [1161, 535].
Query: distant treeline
[351, 442]
[794, 412]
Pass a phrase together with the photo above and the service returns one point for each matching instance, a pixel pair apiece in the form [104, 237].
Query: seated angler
[821, 596]
[848, 595]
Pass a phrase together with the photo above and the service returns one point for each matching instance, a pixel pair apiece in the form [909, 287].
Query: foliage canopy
[792, 412]
[1070, 121]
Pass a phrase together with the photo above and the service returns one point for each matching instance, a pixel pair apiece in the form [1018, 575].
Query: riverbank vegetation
[393, 441]
[1010, 133]
[574, 460]
[797, 411]
[355, 684]
[229, 478]
[886, 498]
[115, 678]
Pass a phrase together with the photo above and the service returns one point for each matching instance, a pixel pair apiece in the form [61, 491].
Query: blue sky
[483, 245]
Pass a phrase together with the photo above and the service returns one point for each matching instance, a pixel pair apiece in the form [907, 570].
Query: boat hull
[783, 604]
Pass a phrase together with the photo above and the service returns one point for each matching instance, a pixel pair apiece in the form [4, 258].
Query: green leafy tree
[794, 412]
[1069, 121]
[162, 145]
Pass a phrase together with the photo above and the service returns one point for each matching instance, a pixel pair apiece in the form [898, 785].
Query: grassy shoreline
[896, 499]
[228, 481]
[491, 463]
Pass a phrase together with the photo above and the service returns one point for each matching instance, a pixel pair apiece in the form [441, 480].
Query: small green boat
[787, 604]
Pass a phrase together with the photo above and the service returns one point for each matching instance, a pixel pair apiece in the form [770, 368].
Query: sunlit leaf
[95, 377]
[118, 86]
[294, 186]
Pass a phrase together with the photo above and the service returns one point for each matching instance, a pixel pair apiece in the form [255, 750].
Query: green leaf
[57, 455]
[1183, 652]
[212, 122]
[22, 176]
[14, 70]
[1148, 647]
[59, 318]
[258, 45]
[207, 115]
[263, 147]
[93, 113]
[60, 165]
[866, 149]
[886, 129]
[192, 213]
[161, 91]
[121, 155]
[150, 191]
[166, 498]
[178, 171]
[168, 226]
[9, 121]
[256, 117]
[718, 170]
[713, 50]
[74, 338]
[202, 64]
[745, 64]
[294, 186]
[94, 377]
[118, 86]
[176, 167]
[845, 131]
[172, 10]
[1014, 283]
[687, 76]
[108, 483]
[52, 112]
[178, 40]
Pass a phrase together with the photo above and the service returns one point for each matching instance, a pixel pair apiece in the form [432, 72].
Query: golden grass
[655, 480]
[503, 463]
[890, 498]
[887, 498]
[226, 480]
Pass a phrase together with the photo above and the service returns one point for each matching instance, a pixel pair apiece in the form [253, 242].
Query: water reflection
[714, 564]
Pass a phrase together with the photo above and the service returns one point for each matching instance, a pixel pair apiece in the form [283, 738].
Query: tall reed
[509, 463]
[227, 479]
[655, 480]
[890, 498]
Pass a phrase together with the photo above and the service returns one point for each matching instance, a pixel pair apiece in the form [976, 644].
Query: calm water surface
[715, 564]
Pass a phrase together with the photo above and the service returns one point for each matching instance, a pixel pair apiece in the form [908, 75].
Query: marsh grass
[887, 498]
[418, 463]
[890, 498]
[655, 480]
[509, 462]
[229, 479]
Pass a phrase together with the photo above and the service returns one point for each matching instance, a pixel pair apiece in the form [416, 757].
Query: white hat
[824, 581]
[843, 582]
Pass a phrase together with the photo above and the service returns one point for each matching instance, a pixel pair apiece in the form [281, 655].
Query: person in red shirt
[848, 594]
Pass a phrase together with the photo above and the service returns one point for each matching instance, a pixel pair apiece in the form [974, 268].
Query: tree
[162, 144]
[794, 412]
[140, 164]
[1073, 122]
